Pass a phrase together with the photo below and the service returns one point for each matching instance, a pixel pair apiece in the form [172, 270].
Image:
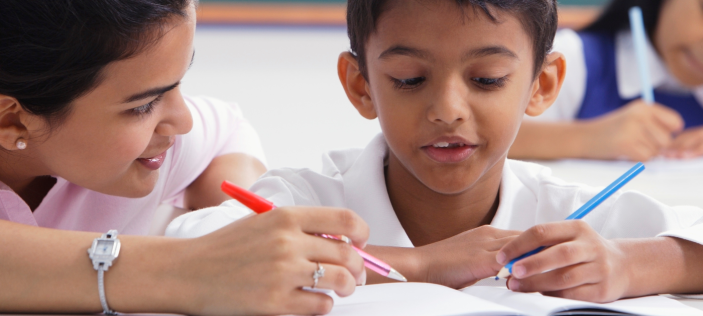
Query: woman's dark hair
[538, 17]
[53, 51]
[615, 16]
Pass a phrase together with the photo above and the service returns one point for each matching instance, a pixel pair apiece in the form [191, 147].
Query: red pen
[260, 205]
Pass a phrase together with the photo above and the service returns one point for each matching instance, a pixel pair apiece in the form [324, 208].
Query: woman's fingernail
[500, 257]
[519, 271]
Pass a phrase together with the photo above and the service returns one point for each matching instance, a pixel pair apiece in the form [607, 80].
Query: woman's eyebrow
[151, 93]
[488, 51]
[156, 91]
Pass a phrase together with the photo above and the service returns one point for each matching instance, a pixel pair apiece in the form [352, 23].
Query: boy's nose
[450, 105]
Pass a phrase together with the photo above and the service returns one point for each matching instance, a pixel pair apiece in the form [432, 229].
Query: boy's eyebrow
[489, 50]
[404, 51]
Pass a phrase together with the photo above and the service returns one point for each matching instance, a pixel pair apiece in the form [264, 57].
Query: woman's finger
[336, 252]
[324, 220]
[330, 277]
[303, 302]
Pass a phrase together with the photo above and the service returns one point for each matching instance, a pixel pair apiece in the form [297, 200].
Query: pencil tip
[503, 273]
[395, 275]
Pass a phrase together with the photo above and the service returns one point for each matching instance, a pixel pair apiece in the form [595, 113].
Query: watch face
[104, 247]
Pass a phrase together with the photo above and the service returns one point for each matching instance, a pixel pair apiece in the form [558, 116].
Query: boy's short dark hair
[538, 17]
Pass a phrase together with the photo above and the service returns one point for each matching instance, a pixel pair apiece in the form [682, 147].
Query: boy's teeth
[441, 144]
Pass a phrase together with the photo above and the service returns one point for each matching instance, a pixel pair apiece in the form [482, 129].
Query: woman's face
[115, 137]
[679, 39]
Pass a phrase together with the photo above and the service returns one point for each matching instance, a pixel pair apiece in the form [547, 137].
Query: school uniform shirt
[602, 76]
[529, 195]
[218, 129]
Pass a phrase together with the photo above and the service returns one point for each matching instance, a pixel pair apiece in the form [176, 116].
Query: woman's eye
[146, 108]
[407, 83]
[490, 83]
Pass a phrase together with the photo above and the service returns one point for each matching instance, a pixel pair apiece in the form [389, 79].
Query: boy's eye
[146, 108]
[408, 84]
[490, 83]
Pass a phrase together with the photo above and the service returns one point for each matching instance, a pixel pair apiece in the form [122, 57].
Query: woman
[94, 134]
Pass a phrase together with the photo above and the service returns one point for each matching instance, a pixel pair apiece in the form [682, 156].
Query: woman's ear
[355, 85]
[11, 127]
[548, 84]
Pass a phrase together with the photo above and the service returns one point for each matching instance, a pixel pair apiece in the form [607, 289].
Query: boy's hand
[464, 259]
[637, 132]
[581, 264]
[688, 144]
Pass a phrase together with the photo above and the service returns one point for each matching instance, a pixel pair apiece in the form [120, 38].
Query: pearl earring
[21, 144]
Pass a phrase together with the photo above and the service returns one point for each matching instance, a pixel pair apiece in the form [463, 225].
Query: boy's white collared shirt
[529, 195]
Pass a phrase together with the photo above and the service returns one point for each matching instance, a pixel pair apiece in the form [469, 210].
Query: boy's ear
[548, 84]
[11, 126]
[355, 85]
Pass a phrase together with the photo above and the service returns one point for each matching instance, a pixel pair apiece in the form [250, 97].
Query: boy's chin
[449, 187]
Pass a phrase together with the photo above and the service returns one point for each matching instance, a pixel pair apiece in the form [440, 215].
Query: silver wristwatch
[103, 251]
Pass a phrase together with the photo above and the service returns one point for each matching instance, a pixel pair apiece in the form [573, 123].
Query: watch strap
[101, 267]
[101, 291]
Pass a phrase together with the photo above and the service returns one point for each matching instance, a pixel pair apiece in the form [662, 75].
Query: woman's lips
[451, 154]
[153, 163]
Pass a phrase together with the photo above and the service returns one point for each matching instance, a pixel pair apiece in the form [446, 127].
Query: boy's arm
[455, 262]
[238, 168]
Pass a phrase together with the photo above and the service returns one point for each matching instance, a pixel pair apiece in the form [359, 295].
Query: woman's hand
[637, 131]
[464, 259]
[687, 144]
[259, 264]
[579, 263]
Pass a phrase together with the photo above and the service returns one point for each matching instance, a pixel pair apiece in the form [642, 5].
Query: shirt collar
[627, 72]
[365, 192]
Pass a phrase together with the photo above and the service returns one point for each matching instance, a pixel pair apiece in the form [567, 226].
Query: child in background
[599, 113]
[450, 82]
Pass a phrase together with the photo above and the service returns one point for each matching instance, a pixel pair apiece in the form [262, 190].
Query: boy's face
[450, 89]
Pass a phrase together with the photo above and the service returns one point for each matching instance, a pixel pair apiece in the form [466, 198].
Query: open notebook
[430, 299]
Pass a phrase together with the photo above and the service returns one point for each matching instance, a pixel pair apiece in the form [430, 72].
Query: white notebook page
[535, 304]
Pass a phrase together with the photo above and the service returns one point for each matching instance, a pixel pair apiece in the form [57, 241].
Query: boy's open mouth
[450, 151]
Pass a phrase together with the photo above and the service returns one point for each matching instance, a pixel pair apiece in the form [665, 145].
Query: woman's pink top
[218, 128]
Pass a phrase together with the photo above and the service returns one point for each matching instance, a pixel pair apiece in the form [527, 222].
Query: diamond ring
[319, 273]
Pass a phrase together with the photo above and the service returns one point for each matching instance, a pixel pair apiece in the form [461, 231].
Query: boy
[450, 82]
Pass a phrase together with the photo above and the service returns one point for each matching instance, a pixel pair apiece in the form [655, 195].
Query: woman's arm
[238, 168]
[256, 265]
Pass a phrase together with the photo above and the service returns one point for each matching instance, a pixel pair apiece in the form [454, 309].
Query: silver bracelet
[103, 252]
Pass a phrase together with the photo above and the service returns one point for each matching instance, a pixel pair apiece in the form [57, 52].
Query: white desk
[670, 182]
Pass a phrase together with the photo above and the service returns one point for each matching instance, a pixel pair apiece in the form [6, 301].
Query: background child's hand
[581, 264]
[466, 258]
[637, 131]
[688, 144]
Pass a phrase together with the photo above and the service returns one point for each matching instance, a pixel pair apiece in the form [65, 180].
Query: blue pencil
[582, 211]
[640, 41]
